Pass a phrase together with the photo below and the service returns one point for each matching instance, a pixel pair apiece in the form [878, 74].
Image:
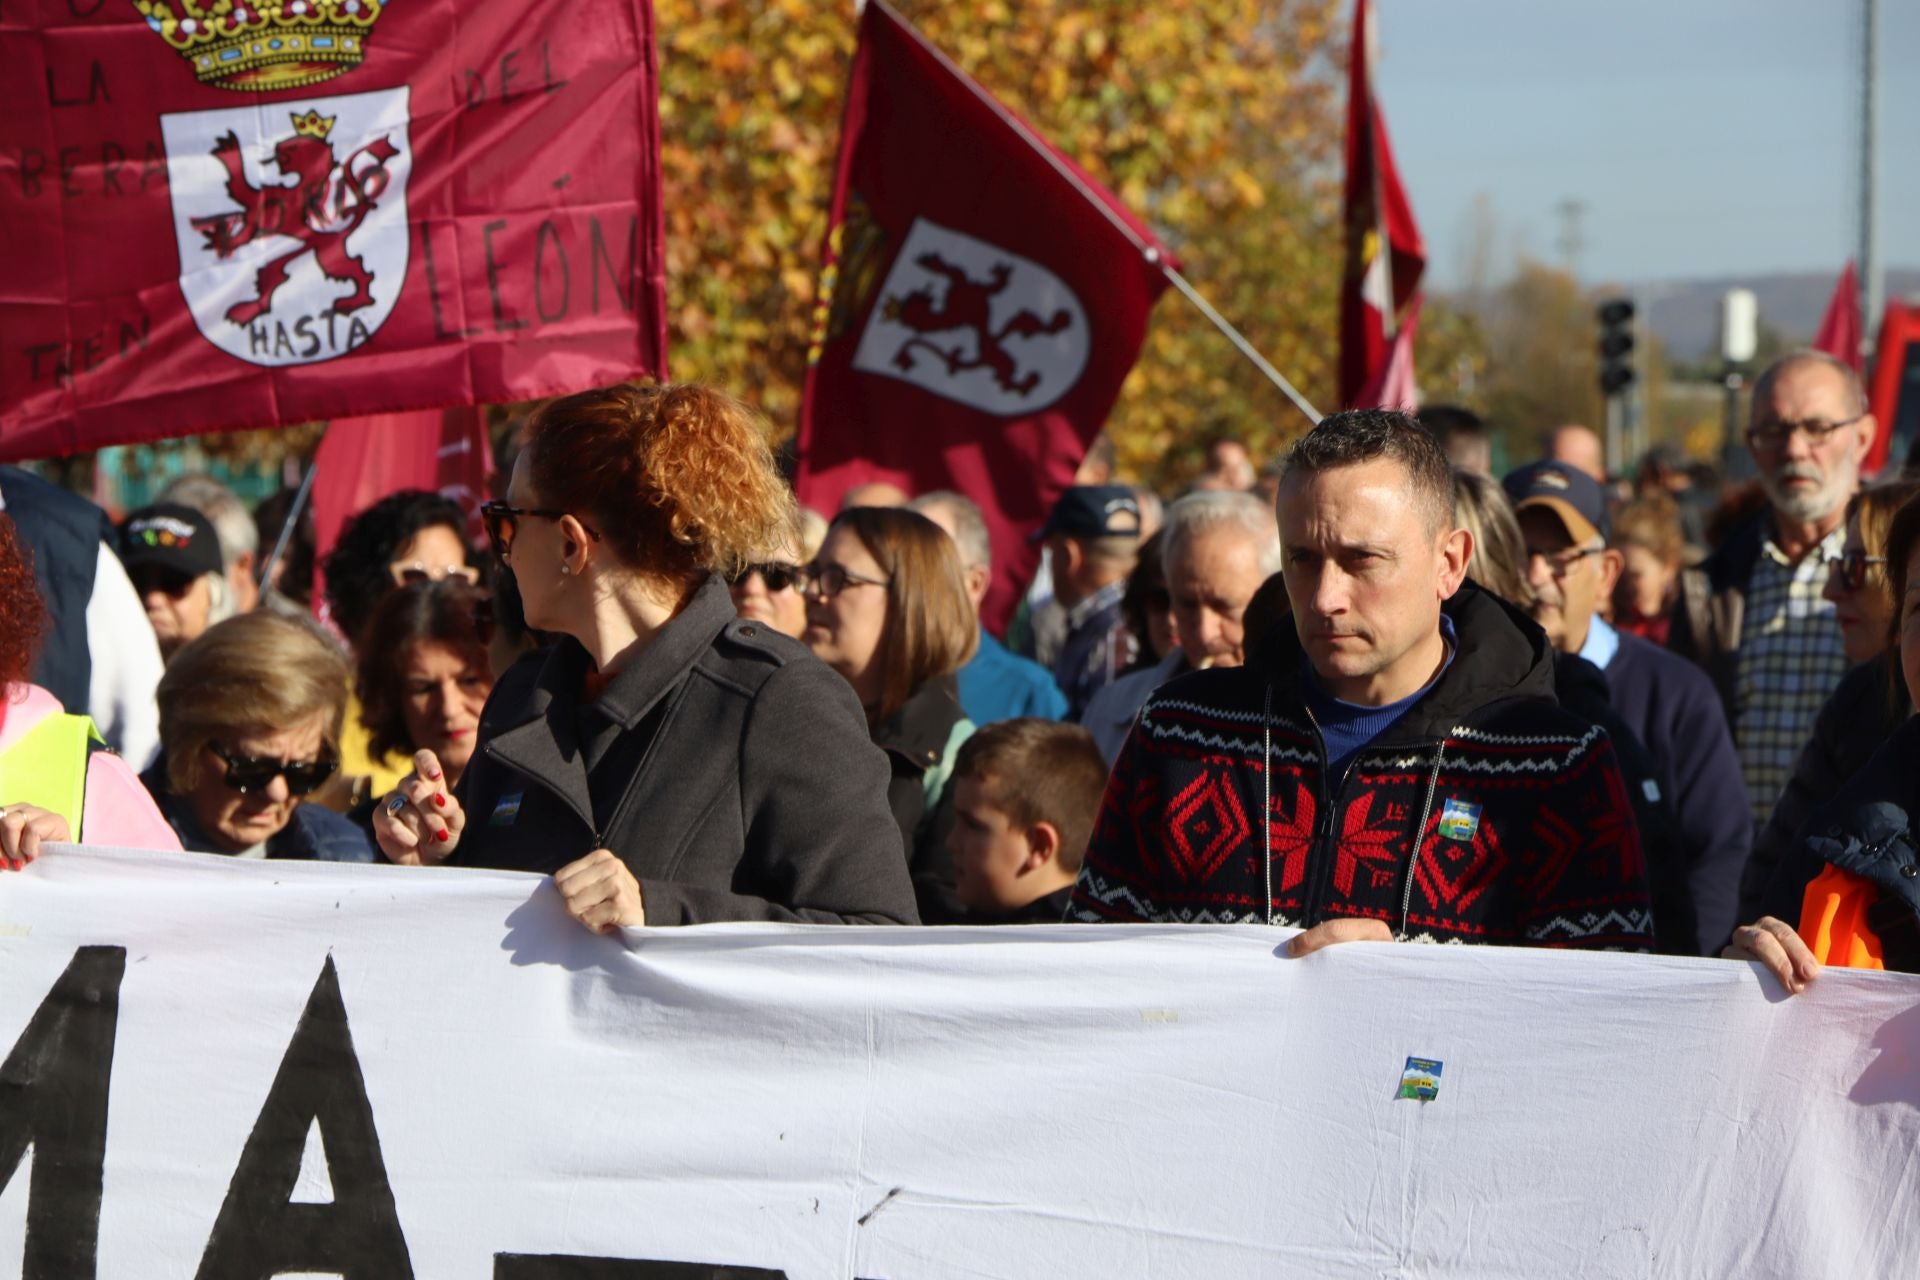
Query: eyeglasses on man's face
[1560, 563]
[1774, 433]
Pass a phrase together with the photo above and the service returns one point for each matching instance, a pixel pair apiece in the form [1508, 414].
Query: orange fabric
[1833, 920]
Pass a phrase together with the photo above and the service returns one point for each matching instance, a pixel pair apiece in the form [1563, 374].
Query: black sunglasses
[777, 576]
[254, 773]
[1851, 568]
[502, 523]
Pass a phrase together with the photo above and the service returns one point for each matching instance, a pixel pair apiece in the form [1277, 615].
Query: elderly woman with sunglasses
[1869, 702]
[769, 590]
[250, 717]
[665, 760]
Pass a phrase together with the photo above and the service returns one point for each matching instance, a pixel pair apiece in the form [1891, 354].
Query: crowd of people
[1371, 690]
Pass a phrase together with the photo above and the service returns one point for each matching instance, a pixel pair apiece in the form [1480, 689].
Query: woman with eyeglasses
[666, 761]
[250, 717]
[1869, 702]
[887, 608]
[423, 675]
[54, 787]
[1847, 893]
[769, 590]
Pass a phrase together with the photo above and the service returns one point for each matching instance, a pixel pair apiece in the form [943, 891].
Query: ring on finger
[396, 804]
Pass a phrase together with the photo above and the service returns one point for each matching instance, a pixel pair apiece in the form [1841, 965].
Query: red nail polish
[439, 801]
[442, 836]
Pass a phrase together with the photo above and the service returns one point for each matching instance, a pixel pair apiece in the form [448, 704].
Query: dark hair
[1041, 771]
[442, 612]
[296, 572]
[1268, 608]
[1362, 435]
[677, 477]
[931, 627]
[1449, 422]
[23, 612]
[1903, 537]
[357, 573]
[1149, 577]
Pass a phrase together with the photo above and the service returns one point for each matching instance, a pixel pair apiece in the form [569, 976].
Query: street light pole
[1870, 282]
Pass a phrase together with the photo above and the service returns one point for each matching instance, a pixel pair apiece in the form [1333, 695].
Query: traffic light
[1616, 345]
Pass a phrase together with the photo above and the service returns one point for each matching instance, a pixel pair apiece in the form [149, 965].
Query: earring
[565, 569]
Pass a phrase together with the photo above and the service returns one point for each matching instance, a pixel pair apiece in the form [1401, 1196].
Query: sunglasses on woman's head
[777, 576]
[255, 773]
[1850, 568]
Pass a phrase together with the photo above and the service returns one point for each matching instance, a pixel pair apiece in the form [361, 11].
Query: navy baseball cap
[1571, 494]
[172, 537]
[1094, 511]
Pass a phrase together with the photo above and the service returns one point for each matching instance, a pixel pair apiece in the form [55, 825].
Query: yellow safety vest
[48, 768]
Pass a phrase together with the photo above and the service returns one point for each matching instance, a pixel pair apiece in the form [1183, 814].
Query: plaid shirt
[1098, 647]
[1791, 657]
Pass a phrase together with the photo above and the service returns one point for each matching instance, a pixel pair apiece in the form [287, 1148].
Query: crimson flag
[982, 302]
[1840, 328]
[1394, 386]
[241, 213]
[1385, 253]
[362, 460]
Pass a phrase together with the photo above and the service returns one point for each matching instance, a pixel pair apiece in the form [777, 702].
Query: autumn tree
[1217, 120]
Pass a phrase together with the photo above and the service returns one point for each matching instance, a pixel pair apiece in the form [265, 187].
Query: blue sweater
[997, 684]
[1673, 707]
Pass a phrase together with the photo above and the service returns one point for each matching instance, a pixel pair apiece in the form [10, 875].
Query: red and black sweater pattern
[1505, 822]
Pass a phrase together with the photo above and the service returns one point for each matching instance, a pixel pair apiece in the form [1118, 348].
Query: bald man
[876, 494]
[1580, 449]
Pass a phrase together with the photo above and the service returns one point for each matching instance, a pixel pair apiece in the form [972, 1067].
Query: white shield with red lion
[291, 221]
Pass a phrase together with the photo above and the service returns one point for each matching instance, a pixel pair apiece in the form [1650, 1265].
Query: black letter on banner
[440, 330]
[500, 322]
[53, 1094]
[549, 232]
[556, 1266]
[600, 256]
[260, 1232]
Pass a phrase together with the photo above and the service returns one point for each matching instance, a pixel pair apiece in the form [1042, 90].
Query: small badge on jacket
[1459, 820]
[507, 810]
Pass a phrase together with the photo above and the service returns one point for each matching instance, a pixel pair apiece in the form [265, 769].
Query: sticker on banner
[507, 810]
[970, 322]
[1459, 820]
[1421, 1079]
[291, 222]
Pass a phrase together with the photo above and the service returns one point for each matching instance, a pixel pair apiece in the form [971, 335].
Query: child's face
[989, 855]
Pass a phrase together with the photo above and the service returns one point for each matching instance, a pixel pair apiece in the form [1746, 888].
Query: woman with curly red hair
[667, 761]
[53, 786]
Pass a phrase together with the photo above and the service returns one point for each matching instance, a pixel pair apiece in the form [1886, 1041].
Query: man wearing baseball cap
[1093, 539]
[173, 556]
[1669, 703]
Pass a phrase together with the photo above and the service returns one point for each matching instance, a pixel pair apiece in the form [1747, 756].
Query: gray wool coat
[726, 766]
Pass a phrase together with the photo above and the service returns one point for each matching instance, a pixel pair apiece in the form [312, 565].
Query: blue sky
[1705, 137]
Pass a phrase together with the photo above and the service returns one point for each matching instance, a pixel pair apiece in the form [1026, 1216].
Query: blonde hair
[258, 672]
[1499, 560]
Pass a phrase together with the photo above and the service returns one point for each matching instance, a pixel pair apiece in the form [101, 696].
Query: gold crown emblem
[312, 124]
[263, 45]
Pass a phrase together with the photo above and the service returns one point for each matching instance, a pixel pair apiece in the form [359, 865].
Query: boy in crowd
[1025, 793]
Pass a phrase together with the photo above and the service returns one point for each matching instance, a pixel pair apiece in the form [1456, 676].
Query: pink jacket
[118, 811]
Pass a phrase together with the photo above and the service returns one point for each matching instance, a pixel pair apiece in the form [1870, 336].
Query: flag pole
[294, 511]
[1150, 252]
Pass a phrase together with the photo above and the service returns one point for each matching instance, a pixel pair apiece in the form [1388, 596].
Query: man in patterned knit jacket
[1392, 765]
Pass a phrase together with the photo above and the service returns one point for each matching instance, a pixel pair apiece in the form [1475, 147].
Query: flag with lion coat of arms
[245, 213]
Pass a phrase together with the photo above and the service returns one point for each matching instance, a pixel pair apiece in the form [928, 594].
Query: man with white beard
[1752, 614]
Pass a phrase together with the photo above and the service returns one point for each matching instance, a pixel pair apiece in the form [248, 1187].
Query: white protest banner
[219, 1068]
